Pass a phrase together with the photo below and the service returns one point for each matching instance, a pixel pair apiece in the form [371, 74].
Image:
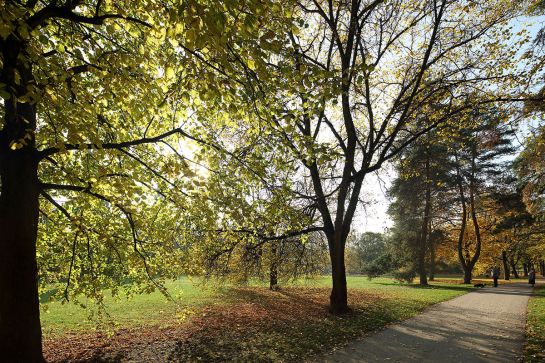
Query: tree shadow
[451, 287]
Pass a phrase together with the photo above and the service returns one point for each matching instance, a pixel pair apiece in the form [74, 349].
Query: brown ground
[258, 311]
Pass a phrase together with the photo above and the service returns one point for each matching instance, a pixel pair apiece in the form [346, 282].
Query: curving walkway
[482, 326]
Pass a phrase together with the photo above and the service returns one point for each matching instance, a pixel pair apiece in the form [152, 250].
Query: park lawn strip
[256, 324]
[186, 294]
[534, 349]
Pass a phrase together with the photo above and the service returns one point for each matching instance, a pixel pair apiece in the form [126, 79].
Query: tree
[477, 155]
[367, 248]
[422, 175]
[54, 56]
[512, 223]
[91, 95]
[327, 95]
[530, 175]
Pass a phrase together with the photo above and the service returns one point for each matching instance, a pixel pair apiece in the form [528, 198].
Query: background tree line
[462, 202]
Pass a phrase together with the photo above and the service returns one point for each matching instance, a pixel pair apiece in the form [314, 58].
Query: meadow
[203, 321]
[534, 349]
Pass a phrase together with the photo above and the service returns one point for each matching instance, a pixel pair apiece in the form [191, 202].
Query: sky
[372, 214]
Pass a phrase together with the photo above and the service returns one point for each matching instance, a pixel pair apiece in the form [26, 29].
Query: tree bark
[432, 252]
[471, 261]
[424, 234]
[542, 267]
[461, 257]
[468, 275]
[432, 262]
[20, 332]
[514, 267]
[505, 265]
[338, 300]
[475, 220]
[465, 262]
[525, 269]
[273, 273]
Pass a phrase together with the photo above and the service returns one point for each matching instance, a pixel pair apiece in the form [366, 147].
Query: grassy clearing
[534, 350]
[249, 323]
[145, 309]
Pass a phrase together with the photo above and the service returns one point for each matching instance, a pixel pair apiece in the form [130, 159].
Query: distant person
[532, 277]
[495, 275]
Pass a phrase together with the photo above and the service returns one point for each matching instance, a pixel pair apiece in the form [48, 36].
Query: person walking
[495, 275]
[532, 277]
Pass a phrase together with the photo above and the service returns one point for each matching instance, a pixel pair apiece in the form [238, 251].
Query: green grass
[155, 309]
[375, 304]
[252, 323]
[144, 309]
[534, 350]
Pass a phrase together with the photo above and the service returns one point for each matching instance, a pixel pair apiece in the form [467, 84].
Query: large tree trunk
[424, 233]
[471, 261]
[273, 273]
[20, 333]
[525, 269]
[468, 269]
[506, 274]
[513, 265]
[338, 301]
[432, 254]
[468, 275]
[432, 263]
[542, 267]
[465, 261]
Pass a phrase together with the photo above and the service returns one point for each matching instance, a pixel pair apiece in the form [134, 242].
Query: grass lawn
[534, 350]
[145, 309]
[250, 323]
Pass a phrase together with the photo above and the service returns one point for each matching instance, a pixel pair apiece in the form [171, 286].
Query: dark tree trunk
[424, 233]
[468, 269]
[464, 261]
[471, 261]
[468, 275]
[339, 296]
[273, 273]
[542, 267]
[423, 280]
[505, 265]
[432, 261]
[515, 272]
[525, 269]
[514, 267]
[20, 332]
[432, 252]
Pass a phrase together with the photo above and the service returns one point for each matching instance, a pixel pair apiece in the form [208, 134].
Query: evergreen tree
[422, 176]
[478, 155]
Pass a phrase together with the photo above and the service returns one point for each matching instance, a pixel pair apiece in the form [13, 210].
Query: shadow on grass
[258, 325]
[446, 287]
[47, 296]
[295, 326]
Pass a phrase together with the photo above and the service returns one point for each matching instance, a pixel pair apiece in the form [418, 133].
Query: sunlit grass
[187, 294]
[153, 308]
[534, 350]
[210, 322]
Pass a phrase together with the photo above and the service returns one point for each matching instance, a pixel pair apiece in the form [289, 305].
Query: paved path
[482, 326]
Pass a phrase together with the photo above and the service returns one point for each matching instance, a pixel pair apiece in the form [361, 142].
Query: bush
[405, 275]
